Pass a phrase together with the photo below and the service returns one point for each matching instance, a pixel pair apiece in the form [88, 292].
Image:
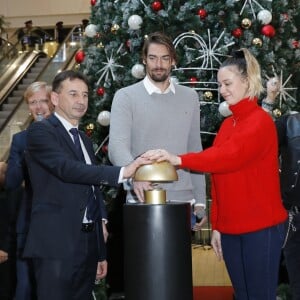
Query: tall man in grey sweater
[155, 113]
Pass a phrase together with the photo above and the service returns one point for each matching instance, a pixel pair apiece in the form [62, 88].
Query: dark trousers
[252, 261]
[292, 257]
[69, 279]
[7, 279]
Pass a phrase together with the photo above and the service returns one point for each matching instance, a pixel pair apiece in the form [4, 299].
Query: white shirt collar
[151, 88]
[65, 123]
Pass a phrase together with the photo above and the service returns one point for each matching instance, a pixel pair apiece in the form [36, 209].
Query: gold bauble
[257, 42]
[90, 126]
[114, 28]
[208, 96]
[246, 23]
[192, 31]
[145, 36]
[277, 112]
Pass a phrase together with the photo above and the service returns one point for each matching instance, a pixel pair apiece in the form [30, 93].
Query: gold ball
[77, 67]
[246, 23]
[257, 42]
[114, 28]
[145, 36]
[90, 126]
[277, 112]
[192, 31]
[208, 96]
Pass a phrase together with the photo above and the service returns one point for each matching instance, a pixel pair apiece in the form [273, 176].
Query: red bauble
[104, 149]
[93, 2]
[295, 44]
[202, 13]
[89, 132]
[237, 32]
[156, 5]
[193, 80]
[100, 91]
[268, 30]
[79, 56]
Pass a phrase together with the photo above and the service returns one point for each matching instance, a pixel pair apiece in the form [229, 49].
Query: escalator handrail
[18, 76]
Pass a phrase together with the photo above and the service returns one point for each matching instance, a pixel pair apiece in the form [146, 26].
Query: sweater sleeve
[120, 130]
[236, 150]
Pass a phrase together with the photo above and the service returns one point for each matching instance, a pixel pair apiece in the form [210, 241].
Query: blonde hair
[248, 68]
[36, 87]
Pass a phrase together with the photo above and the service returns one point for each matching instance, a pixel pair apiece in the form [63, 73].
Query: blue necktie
[92, 209]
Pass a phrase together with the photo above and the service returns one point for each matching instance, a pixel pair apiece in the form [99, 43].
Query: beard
[161, 77]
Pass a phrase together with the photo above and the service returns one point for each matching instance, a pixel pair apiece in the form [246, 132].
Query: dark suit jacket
[16, 174]
[61, 184]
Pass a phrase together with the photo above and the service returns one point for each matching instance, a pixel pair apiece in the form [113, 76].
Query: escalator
[22, 70]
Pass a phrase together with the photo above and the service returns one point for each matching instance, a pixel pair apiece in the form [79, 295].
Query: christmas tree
[204, 33]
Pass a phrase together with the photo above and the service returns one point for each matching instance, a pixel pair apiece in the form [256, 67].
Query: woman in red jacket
[247, 214]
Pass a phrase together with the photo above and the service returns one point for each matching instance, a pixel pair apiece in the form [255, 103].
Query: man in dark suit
[37, 97]
[65, 236]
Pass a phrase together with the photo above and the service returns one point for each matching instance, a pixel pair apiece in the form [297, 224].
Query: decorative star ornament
[110, 66]
[284, 92]
[251, 7]
[208, 52]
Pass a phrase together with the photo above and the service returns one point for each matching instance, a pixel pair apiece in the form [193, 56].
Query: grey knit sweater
[140, 122]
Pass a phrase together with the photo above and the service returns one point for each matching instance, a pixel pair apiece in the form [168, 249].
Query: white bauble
[138, 71]
[135, 22]
[224, 109]
[90, 30]
[104, 118]
[264, 16]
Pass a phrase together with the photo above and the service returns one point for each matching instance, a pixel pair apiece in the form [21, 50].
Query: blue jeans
[252, 262]
[292, 257]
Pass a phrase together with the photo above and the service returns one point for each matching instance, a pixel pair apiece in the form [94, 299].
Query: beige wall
[44, 13]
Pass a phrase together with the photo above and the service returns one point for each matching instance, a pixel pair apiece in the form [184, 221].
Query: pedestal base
[157, 246]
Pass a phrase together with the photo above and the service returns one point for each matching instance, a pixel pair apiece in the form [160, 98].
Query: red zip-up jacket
[243, 163]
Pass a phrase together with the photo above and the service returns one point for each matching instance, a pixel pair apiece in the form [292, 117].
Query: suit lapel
[62, 134]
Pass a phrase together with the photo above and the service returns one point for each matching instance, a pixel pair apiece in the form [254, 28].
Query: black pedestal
[157, 247]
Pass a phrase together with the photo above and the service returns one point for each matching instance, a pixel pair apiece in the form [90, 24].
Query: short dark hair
[162, 39]
[68, 74]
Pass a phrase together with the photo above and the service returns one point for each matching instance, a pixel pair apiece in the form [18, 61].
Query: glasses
[38, 102]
